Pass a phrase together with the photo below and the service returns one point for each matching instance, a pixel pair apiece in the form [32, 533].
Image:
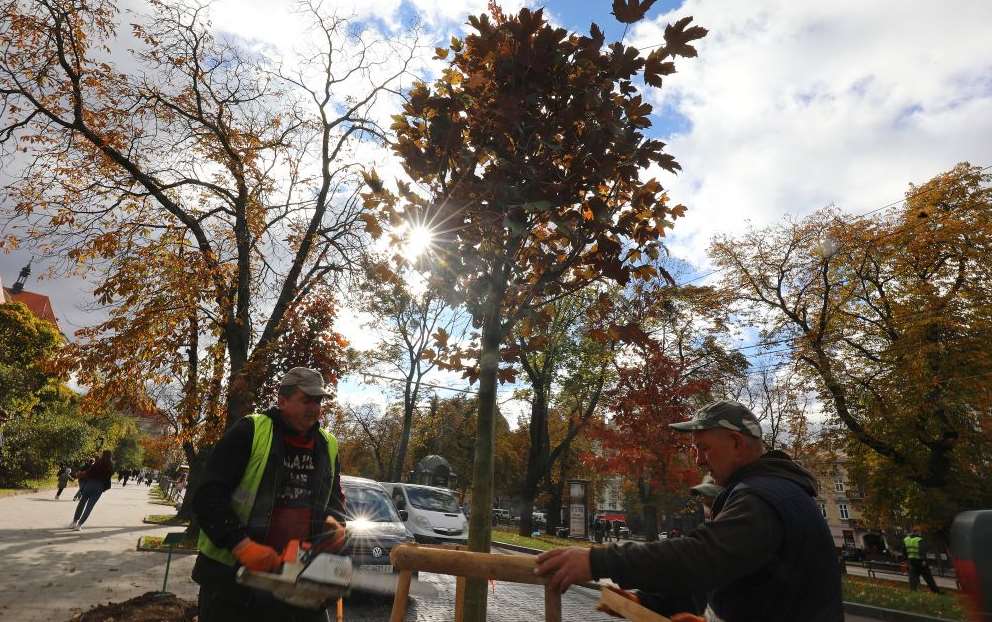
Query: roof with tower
[39, 304]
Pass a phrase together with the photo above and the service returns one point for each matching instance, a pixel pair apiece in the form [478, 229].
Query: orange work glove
[255, 556]
[628, 595]
[687, 617]
[334, 541]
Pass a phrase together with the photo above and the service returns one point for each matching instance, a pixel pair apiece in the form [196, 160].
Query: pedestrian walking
[127, 474]
[916, 556]
[79, 478]
[616, 530]
[65, 474]
[93, 482]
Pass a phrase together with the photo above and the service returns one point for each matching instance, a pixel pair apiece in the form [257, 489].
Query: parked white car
[433, 514]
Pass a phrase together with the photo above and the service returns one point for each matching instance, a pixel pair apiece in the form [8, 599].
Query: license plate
[385, 568]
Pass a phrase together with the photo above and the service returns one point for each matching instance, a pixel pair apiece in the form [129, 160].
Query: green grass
[155, 542]
[889, 595]
[165, 519]
[39, 484]
[158, 497]
[544, 543]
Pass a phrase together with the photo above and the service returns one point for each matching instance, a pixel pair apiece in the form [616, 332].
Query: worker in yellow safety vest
[917, 561]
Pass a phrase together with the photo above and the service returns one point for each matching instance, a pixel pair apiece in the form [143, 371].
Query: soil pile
[149, 607]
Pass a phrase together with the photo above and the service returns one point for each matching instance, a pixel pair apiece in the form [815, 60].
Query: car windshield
[432, 499]
[364, 503]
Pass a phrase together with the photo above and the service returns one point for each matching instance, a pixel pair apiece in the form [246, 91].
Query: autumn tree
[368, 438]
[891, 315]
[565, 370]
[635, 439]
[409, 325]
[782, 402]
[248, 161]
[527, 154]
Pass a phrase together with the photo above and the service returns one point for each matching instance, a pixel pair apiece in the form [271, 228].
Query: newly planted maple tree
[527, 152]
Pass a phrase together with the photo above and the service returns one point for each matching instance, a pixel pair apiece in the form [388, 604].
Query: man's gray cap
[707, 488]
[305, 379]
[726, 414]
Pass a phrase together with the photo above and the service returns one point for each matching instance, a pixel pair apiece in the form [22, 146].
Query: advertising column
[578, 508]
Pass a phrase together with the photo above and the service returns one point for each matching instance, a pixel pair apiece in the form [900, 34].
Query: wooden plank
[515, 568]
[552, 604]
[628, 608]
[459, 599]
[401, 597]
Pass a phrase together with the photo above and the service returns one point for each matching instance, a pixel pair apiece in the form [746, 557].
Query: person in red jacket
[92, 483]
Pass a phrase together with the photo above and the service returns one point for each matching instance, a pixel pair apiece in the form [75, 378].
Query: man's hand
[564, 567]
[628, 595]
[255, 556]
[334, 540]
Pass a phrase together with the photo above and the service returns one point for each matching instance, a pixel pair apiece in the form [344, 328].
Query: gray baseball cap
[726, 414]
[707, 488]
[305, 379]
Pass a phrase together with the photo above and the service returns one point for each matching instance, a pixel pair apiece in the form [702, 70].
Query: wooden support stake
[552, 604]
[340, 610]
[459, 599]
[402, 594]
[515, 568]
[628, 608]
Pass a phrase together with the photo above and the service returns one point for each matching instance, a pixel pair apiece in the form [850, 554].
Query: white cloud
[795, 105]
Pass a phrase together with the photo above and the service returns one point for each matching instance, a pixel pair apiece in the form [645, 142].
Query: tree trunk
[480, 523]
[537, 458]
[409, 404]
[240, 390]
[649, 512]
[556, 490]
[186, 509]
[197, 469]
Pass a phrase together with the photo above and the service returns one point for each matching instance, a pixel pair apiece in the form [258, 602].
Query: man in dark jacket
[273, 477]
[767, 554]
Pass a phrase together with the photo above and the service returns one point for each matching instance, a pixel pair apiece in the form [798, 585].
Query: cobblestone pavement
[508, 602]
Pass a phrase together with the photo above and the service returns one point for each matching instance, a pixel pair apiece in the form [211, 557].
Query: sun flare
[418, 241]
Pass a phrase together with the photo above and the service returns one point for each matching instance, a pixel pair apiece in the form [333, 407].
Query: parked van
[433, 514]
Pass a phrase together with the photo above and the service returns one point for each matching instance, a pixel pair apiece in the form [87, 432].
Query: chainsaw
[311, 580]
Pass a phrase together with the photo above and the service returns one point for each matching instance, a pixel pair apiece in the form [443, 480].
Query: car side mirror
[404, 515]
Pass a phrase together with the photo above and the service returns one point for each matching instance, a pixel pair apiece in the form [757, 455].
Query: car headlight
[421, 521]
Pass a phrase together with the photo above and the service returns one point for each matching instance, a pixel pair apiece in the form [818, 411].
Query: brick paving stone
[508, 602]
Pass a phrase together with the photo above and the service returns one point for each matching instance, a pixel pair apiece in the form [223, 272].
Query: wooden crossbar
[410, 558]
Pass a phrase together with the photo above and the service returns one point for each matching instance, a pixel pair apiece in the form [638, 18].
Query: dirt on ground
[149, 607]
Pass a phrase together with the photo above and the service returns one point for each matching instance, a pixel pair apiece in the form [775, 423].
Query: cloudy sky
[789, 107]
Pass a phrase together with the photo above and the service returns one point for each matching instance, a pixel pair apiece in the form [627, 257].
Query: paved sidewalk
[50, 572]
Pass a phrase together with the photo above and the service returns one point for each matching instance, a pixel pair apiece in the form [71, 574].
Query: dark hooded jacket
[766, 555]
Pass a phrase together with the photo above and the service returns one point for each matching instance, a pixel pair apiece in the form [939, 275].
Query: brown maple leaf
[630, 11]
